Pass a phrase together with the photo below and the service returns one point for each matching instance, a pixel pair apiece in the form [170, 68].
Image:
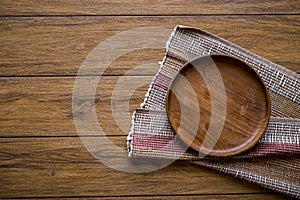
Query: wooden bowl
[244, 108]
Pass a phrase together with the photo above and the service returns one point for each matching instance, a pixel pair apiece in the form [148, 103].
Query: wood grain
[62, 167]
[142, 7]
[201, 197]
[42, 106]
[43, 46]
[237, 96]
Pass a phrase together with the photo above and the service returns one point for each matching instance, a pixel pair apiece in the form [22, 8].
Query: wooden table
[43, 44]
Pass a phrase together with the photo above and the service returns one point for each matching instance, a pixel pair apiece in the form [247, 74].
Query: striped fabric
[273, 163]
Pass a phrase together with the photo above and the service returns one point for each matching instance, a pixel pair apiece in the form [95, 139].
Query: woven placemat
[272, 163]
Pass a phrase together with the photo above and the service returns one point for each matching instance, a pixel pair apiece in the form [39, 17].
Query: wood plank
[200, 197]
[142, 7]
[38, 46]
[62, 167]
[42, 106]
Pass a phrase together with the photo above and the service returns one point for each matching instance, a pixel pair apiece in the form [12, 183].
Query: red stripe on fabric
[157, 143]
[263, 149]
[166, 143]
[159, 86]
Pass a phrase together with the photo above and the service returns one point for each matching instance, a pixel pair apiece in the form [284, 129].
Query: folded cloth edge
[284, 71]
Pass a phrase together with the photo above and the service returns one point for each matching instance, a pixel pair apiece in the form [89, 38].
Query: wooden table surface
[43, 44]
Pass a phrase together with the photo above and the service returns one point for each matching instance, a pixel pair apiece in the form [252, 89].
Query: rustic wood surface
[43, 44]
[40, 46]
[147, 7]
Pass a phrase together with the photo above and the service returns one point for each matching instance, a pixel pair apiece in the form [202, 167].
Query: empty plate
[218, 105]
